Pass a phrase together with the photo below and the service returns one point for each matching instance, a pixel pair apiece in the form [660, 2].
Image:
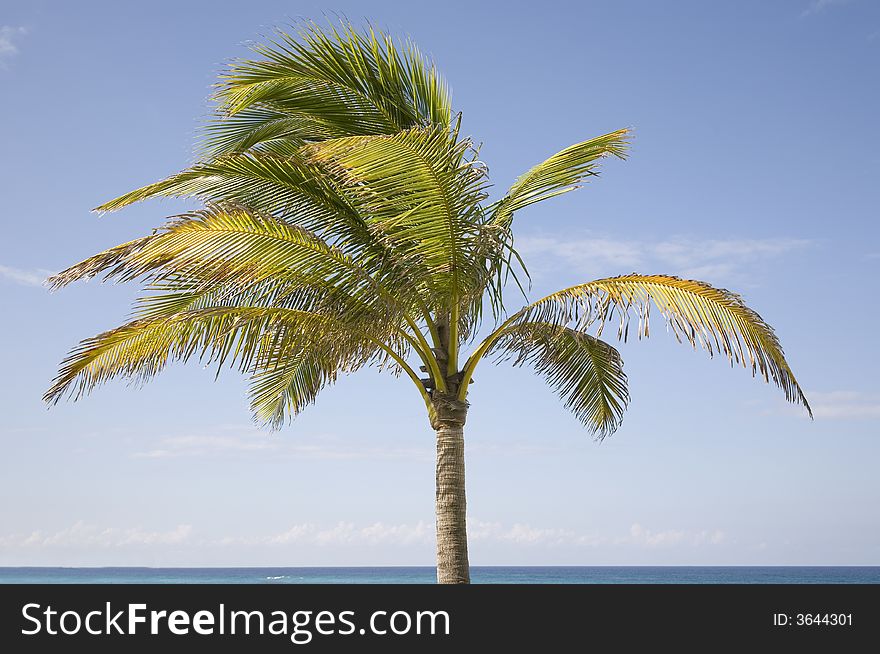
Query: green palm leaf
[259, 130]
[249, 337]
[585, 371]
[285, 186]
[286, 389]
[336, 83]
[561, 173]
[713, 318]
[227, 244]
[421, 198]
[297, 191]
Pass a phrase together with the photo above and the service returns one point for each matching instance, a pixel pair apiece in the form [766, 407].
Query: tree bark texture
[451, 506]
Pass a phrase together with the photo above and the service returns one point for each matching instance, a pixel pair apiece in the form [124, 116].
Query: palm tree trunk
[452, 555]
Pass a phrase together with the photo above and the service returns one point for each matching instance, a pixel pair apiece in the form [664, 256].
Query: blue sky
[754, 167]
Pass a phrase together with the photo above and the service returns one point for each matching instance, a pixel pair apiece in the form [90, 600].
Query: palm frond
[186, 292]
[420, 197]
[285, 186]
[283, 391]
[259, 130]
[140, 349]
[293, 366]
[585, 371]
[559, 174]
[294, 190]
[243, 336]
[333, 83]
[226, 244]
[716, 319]
[113, 259]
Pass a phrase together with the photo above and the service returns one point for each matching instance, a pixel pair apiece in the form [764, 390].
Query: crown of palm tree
[346, 224]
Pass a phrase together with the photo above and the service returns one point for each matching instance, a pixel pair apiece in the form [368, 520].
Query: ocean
[426, 575]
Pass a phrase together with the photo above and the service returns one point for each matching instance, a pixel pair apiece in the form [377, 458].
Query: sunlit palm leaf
[243, 336]
[141, 349]
[716, 319]
[421, 197]
[227, 244]
[283, 391]
[292, 366]
[287, 187]
[561, 173]
[585, 371]
[298, 192]
[187, 292]
[336, 83]
[260, 130]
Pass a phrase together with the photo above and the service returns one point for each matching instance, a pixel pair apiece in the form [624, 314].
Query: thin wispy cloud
[345, 533]
[244, 440]
[82, 534]
[519, 533]
[24, 276]
[257, 442]
[351, 535]
[199, 445]
[834, 405]
[9, 38]
[708, 259]
[845, 405]
[639, 535]
[818, 6]
[237, 441]
[524, 534]
[479, 531]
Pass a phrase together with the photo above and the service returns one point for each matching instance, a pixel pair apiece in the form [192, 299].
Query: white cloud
[238, 440]
[518, 533]
[82, 534]
[638, 535]
[199, 445]
[235, 442]
[404, 534]
[818, 6]
[350, 535]
[292, 535]
[32, 277]
[687, 252]
[479, 531]
[687, 257]
[344, 533]
[622, 254]
[8, 41]
[845, 404]
[831, 405]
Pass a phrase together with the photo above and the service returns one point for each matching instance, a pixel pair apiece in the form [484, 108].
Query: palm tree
[346, 224]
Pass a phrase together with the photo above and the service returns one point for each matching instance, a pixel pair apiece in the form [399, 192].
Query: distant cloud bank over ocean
[426, 575]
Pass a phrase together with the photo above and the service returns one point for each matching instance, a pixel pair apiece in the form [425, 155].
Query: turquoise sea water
[426, 575]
